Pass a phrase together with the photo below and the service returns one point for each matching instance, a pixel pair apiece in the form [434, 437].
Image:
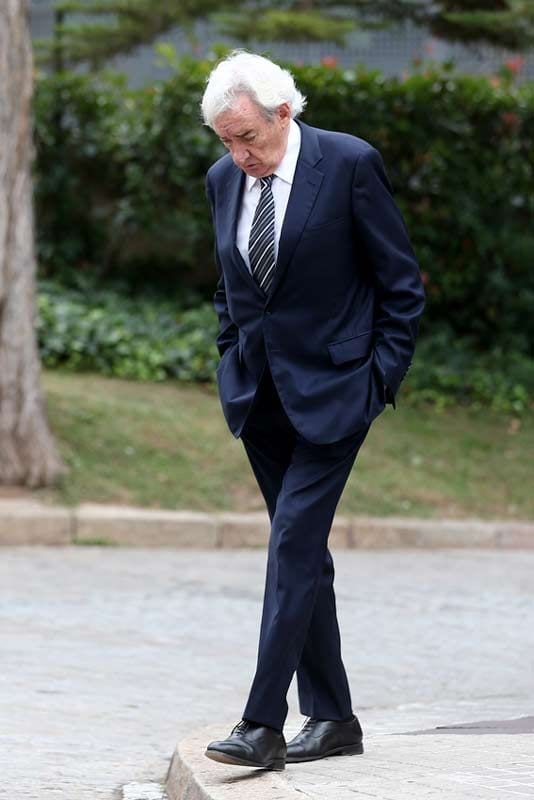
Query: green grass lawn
[167, 446]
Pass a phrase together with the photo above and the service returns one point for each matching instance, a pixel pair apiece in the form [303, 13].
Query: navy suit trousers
[302, 484]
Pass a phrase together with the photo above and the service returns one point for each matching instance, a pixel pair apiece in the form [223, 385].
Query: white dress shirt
[281, 187]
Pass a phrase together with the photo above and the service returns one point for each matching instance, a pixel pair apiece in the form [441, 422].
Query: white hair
[242, 73]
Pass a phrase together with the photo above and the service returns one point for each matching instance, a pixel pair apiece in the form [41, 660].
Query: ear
[283, 112]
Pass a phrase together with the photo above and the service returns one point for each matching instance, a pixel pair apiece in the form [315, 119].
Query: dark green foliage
[129, 338]
[448, 369]
[274, 24]
[121, 195]
[121, 190]
[506, 23]
[102, 331]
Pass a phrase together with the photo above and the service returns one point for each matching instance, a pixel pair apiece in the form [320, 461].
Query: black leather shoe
[251, 745]
[319, 738]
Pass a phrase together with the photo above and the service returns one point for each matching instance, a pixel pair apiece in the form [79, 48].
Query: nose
[240, 153]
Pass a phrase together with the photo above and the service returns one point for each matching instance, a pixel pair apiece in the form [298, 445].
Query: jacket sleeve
[228, 332]
[399, 291]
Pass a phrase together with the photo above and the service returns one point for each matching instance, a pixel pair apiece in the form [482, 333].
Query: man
[318, 299]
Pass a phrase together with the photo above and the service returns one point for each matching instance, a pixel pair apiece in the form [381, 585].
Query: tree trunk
[28, 454]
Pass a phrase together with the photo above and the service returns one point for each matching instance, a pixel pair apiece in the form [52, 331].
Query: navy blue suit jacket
[339, 323]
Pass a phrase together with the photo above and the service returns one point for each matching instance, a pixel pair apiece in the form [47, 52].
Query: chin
[259, 171]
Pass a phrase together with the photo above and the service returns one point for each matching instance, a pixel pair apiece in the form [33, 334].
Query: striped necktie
[261, 241]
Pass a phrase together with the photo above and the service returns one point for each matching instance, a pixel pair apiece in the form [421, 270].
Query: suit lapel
[306, 184]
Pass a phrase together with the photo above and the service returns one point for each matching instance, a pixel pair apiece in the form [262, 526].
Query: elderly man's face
[257, 145]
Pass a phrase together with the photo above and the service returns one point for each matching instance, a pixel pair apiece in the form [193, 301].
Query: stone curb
[483, 763]
[29, 522]
[192, 776]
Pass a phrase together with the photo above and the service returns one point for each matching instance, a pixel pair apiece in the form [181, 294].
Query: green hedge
[120, 183]
[104, 331]
[120, 188]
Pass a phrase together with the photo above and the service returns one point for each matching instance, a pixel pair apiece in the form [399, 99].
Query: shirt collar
[286, 168]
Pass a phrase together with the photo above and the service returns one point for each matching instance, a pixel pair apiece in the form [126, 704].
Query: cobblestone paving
[109, 656]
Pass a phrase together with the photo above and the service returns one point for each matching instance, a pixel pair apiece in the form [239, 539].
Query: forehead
[244, 113]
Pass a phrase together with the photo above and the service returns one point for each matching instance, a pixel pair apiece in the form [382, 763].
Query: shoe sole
[277, 765]
[347, 750]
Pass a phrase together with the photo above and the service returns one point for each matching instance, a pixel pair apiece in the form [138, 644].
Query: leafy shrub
[128, 338]
[120, 183]
[448, 370]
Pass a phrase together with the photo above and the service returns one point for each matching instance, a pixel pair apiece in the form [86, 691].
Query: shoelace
[241, 726]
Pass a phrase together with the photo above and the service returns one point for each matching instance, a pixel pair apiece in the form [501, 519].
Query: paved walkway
[110, 656]
[492, 761]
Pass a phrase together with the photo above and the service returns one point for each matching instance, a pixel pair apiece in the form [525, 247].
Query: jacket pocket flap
[348, 349]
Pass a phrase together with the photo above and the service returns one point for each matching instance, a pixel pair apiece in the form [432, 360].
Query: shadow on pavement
[505, 726]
